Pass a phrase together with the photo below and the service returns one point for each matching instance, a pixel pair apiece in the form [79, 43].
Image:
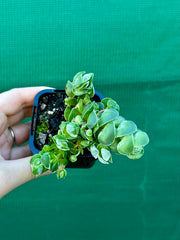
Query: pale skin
[15, 169]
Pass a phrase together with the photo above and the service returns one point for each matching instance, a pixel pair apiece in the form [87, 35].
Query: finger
[21, 132]
[6, 141]
[13, 101]
[16, 118]
[20, 152]
[3, 122]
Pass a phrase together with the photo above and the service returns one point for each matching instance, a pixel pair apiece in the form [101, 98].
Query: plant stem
[100, 112]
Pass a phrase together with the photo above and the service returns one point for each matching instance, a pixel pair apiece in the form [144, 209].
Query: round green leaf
[141, 139]
[105, 154]
[92, 119]
[72, 129]
[45, 159]
[89, 133]
[126, 128]
[110, 103]
[136, 154]
[104, 101]
[37, 170]
[61, 174]
[94, 151]
[107, 134]
[113, 104]
[73, 158]
[85, 143]
[63, 145]
[36, 157]
[126, 145]
[107, 116]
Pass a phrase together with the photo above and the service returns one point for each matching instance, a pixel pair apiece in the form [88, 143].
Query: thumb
[15, 173]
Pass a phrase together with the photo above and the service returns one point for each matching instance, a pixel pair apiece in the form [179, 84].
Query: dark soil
[50, 114]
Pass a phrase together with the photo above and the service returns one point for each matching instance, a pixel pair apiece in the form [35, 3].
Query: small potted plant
[76, 127]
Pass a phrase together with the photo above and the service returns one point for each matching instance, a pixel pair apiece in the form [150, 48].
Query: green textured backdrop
[133, 49]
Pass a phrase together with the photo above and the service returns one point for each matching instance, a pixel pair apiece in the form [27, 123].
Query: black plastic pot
[45, 102]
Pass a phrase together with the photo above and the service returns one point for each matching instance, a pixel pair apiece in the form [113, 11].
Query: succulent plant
[96, 126]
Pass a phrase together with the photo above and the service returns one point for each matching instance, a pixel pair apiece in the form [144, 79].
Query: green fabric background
[133, 49]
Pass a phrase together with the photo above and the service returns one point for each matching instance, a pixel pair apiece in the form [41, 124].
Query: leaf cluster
[96, 126]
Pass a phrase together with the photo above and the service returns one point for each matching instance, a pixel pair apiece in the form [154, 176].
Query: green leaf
[64, 161]
[75, 151]
[85, 143]
[80, 105]
[73, 130]
[110, 103]
[87, 110]
[104, 102]
[113, 104]
[62, 127]
[73, 158]
[96, 128]
[92, 91]
[126, 128]
[108, 116]
[45, 159]
[86, 99]
[140, 139]
[70, 101]
[92, 119]
[46, 148]
[105, 154]
[94, 151]
[107, 134]
[54, 166]
[126, 145]
[67, 112]
[82, 91]
[82, 132]
[118, 121]
[74, 112]
[102, 160]
[37, 170]
[78, 120]
[63, 145]
[58, 138]
[88, 77]
[36, 157]
[113, 146]
[136, 154]
[69, 88]
[61, 174]
[37, 162]
[78, 80]
[89, 133]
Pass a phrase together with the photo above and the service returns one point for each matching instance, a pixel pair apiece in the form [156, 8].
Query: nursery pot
[47, 114]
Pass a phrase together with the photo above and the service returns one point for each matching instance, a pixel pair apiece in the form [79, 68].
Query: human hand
[15, 105]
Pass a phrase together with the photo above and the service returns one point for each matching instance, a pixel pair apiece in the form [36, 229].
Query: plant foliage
[95, 126]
